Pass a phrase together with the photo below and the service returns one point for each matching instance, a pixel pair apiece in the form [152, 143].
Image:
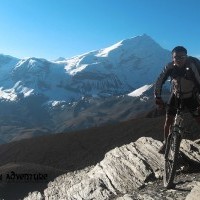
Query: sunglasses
[180, 57]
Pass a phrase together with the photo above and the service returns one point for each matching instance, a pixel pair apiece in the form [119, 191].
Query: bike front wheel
[171, 159]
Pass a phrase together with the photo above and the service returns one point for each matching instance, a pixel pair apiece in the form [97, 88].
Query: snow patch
[140, 91]
[9, 94]
[106, 51]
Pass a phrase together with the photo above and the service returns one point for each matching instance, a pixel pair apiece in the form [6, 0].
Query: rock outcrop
[195, 193]
[120, 175]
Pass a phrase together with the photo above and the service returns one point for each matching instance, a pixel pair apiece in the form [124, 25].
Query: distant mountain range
[39, 97]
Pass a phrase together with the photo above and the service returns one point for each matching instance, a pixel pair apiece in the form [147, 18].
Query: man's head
[179, 55]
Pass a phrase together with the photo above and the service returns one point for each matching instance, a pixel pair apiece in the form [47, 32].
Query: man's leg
[168, 123]
[170, 114]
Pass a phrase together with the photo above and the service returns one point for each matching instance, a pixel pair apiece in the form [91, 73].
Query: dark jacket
[184, 79]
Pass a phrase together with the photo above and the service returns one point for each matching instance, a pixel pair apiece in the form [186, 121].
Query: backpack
[196, 62]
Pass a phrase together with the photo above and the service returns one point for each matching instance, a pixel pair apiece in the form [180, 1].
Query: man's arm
[161, 80]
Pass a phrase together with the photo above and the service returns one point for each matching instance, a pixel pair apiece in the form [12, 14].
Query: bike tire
[171, 159]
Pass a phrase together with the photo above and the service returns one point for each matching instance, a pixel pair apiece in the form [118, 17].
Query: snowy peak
[134, 62]
[118, 69]
[30, 67]
[139, 45]
[133, 49]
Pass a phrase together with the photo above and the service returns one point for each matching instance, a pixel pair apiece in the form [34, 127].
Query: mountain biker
[185, 81]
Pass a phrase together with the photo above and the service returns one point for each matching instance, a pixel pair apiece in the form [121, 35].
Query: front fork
[175, 131]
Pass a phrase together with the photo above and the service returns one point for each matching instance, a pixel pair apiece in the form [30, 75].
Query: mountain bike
[177, 132]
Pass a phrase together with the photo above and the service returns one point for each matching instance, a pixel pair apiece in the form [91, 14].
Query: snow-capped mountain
[46, 93]
[118, 69]
[126, 55]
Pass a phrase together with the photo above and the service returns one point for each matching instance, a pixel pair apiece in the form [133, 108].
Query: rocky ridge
[132, 171]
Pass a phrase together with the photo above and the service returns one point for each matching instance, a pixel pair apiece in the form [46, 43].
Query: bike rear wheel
[171, 159]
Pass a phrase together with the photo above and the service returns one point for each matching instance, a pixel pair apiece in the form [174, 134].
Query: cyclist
[185, 81]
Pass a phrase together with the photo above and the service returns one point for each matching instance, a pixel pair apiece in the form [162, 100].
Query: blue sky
[65, 28]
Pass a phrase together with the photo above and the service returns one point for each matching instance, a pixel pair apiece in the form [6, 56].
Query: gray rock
[34, 195]
[122, 172]
[195, 193]
[191, 149]
[138, 197]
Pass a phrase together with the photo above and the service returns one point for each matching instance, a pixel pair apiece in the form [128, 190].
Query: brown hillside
[76, 150]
